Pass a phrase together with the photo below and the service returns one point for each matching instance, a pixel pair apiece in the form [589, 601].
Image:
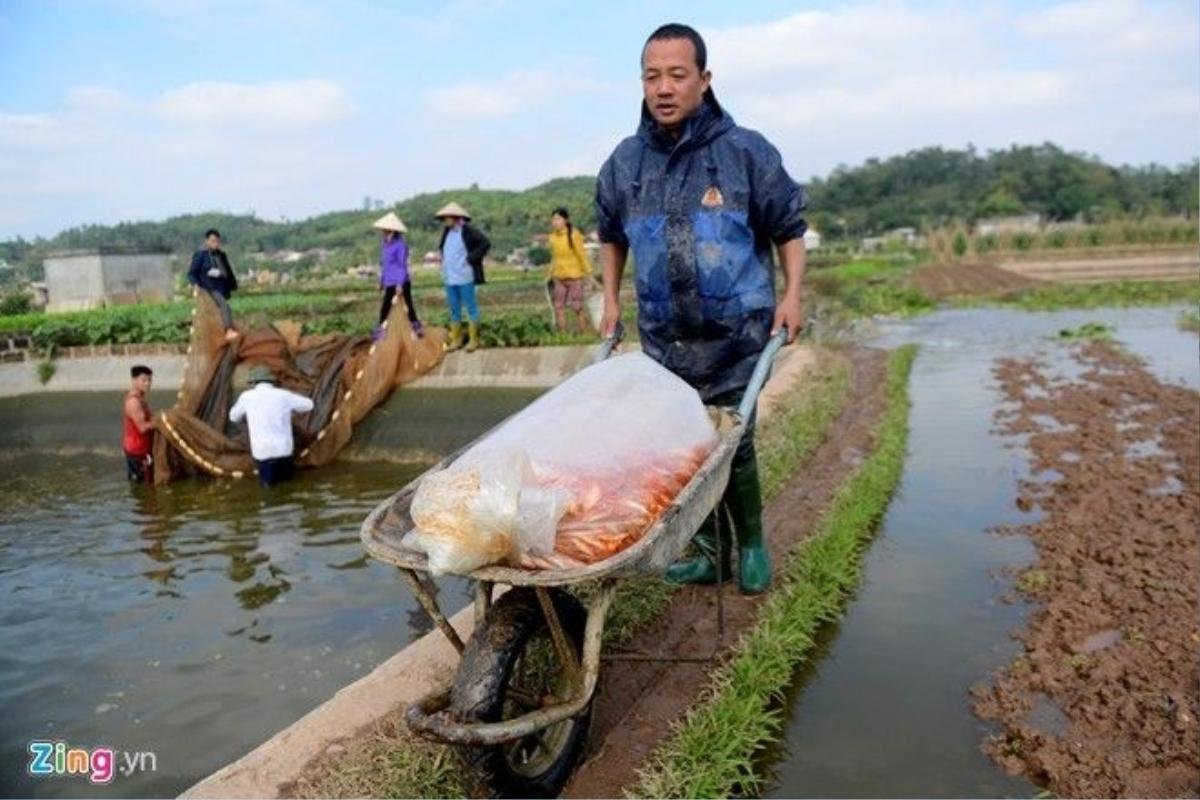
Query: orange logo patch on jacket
[712, 198]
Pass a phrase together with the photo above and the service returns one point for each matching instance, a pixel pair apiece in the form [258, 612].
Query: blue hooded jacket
[699, 214]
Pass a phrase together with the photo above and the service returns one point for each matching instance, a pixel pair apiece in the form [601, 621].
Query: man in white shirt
[268, 411]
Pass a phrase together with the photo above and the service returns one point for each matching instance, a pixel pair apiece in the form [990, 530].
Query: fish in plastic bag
[483, 512]
[575, 477]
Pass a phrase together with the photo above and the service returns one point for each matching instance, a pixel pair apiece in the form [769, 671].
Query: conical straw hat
[452, 210]
[390, 222]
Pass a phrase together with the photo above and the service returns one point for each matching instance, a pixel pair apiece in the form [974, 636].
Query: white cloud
[1126, 27]
[281, 103]
[516, 92]
[100, 99]
[105, 155]
[832, 39]
[872, 79]
[26, 130]
[474, 99]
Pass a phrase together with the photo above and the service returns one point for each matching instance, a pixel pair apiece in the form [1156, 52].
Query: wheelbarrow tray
[384, 528]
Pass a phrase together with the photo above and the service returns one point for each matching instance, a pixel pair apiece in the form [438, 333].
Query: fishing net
[345, 376]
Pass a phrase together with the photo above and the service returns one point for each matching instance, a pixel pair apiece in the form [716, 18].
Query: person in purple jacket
[393, 268]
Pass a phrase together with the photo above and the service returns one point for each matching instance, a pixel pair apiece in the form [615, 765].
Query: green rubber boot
[744, 498]
[702, 568]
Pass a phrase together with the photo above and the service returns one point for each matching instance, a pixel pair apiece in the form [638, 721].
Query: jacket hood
[698, 130]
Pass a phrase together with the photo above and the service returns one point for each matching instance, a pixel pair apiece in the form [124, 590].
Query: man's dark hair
[139, 370]
[212, 232]
[676, 30]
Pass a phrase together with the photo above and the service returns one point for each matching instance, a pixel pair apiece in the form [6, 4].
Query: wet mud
[1102, 700]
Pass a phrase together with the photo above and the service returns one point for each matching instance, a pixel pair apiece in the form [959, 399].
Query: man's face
[672, 84]
[450, 222]
[213, 242]
[142, 383]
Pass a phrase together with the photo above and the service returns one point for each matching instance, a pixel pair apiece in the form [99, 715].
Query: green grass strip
[713, 751]
[795, 429]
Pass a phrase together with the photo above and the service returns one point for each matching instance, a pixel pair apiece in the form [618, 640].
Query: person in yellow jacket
[570, 270]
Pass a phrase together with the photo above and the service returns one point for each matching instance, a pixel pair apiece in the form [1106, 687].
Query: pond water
[194, 620]
[882, 709]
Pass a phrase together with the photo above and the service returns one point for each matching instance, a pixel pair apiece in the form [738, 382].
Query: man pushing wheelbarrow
[606, 477]
[700, 201]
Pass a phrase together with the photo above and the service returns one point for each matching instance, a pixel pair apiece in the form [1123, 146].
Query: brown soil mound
[637, 703]
[1113, 644]
[967, 279]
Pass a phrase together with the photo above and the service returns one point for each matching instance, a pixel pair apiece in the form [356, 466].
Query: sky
[115, 110]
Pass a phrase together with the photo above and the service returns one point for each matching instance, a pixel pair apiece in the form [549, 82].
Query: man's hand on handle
[609, 319]
[612, 264]
[789, 312]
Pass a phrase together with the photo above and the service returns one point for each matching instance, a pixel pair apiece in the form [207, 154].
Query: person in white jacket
[268, 411]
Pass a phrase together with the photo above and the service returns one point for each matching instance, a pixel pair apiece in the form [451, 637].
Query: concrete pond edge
[499, 367]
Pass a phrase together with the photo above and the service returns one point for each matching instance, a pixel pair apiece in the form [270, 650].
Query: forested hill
[934, 186]
[925, 187]
[508, 217]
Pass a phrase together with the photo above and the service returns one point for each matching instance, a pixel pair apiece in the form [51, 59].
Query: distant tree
[999, 202]
[539, 256]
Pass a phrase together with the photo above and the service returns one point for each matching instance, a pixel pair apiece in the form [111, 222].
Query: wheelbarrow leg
[561, 645]
[431, 608]
[483, 600]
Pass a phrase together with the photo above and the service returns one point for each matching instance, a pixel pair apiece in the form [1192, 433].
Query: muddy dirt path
[941, 282]
[1103, 702]
[638, 702]
[1173, 264]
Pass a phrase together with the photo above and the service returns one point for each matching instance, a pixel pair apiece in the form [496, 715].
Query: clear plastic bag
[467, 515]
[576, 476]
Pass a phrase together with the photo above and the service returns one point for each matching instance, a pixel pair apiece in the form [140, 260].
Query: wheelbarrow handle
[762, 370]
[610, 343]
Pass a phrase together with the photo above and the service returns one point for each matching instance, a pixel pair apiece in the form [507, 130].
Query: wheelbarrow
[520, 703]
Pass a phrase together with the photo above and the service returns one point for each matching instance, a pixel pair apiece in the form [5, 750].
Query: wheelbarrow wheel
[509, 668]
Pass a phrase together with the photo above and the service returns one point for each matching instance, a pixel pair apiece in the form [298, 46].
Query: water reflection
[201, 613]
[198, 618]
